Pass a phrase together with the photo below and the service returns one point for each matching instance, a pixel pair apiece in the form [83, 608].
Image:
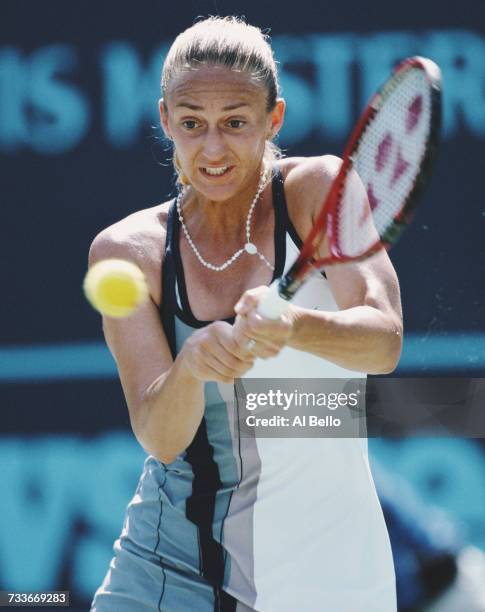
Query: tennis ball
[115, 287]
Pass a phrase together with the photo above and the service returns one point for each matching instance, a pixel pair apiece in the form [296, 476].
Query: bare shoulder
[307, 181]
[309, 175]
[140, 238]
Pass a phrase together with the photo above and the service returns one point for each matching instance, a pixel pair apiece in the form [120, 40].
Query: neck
[221, 220]
[228, 226]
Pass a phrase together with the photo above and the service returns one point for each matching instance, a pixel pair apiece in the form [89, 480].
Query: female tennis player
[220, 522]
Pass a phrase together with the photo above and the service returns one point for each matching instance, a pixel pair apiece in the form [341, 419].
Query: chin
[217, 195]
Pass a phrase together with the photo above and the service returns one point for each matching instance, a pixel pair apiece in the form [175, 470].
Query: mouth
[216, 172]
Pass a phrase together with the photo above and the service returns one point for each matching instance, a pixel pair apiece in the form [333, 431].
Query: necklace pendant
[250, 248]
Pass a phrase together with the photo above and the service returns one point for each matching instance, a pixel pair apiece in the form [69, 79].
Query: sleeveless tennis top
[244, 523]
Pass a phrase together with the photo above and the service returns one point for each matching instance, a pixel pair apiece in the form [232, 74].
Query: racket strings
[387, 158]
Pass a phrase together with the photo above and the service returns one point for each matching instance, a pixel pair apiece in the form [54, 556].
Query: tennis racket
[391, 149]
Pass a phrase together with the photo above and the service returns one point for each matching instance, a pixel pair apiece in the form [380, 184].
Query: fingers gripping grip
[272, 306]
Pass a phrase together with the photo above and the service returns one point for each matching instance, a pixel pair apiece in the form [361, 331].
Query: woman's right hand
[212, 354]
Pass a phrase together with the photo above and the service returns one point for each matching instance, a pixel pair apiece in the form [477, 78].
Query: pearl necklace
[249, 247]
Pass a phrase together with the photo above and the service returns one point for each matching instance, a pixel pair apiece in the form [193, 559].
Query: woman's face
[219, 124]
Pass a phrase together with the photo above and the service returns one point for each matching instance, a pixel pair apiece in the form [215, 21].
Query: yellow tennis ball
[115, 287]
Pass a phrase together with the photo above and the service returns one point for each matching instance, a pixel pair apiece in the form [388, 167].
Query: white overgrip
[272, 306]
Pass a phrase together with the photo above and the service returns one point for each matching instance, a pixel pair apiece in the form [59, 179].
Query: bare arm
[165, 397]
[366, 333]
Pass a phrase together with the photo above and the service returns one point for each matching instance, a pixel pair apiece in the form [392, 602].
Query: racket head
[391, 150]
[385, 165]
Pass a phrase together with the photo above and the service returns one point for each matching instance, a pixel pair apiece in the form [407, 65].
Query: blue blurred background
[80, 147]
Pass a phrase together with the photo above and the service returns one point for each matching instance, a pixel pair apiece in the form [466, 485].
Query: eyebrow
[195, 107]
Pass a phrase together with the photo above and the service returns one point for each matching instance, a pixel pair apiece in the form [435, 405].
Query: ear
[277, 117]
[164, 118]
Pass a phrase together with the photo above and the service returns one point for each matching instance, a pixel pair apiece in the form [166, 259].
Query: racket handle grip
[272, 306]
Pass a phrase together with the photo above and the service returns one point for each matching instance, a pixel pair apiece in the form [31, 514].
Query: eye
[236, 123]
[190, 124]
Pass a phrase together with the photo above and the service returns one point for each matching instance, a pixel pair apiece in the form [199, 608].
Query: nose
[214, 145]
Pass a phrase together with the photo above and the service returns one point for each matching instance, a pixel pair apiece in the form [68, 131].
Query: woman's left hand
[256, 334]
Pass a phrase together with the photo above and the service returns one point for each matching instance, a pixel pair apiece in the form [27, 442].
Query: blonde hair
[229, 42]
